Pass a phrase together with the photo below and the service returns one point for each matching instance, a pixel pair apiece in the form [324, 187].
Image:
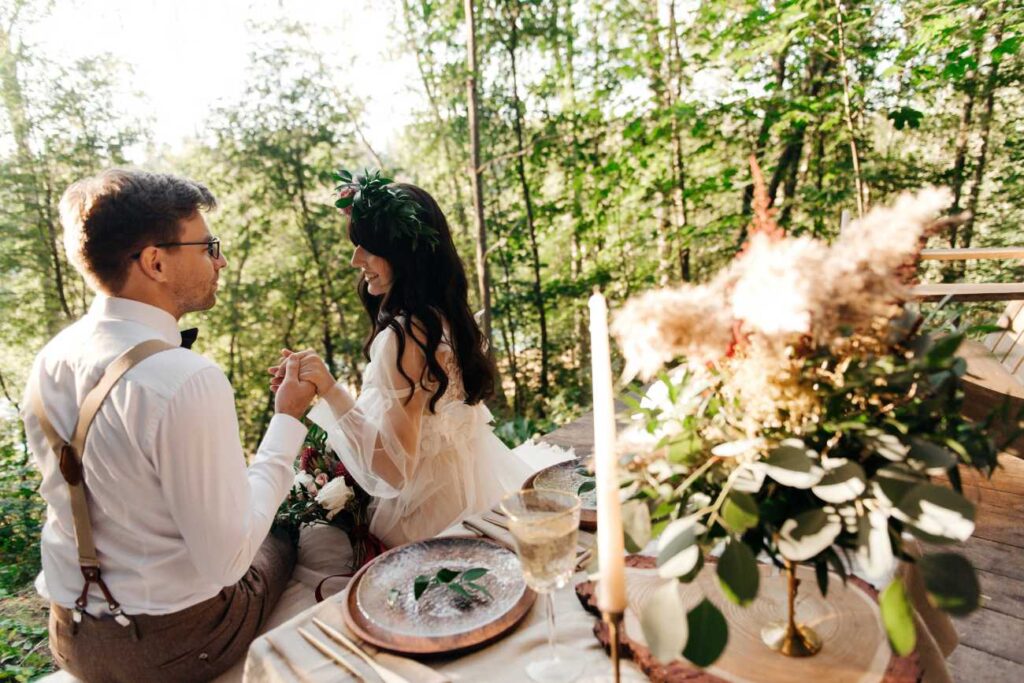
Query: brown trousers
[196, 644]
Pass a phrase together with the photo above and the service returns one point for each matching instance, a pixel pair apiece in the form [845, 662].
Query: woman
[418, 436]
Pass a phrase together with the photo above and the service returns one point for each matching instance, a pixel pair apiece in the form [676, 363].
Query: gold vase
[790, 638]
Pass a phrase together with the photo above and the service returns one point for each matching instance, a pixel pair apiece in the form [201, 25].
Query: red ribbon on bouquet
[371, 548]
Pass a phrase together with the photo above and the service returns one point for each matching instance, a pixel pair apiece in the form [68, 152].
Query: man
[180, 523]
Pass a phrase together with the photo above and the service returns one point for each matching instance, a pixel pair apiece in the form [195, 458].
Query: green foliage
[464, 583]
[613, 140]
[21, 515]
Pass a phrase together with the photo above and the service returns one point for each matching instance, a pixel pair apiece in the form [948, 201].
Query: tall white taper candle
[611, 595]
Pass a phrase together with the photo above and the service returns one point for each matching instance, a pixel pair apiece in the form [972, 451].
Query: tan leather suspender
[69, 456]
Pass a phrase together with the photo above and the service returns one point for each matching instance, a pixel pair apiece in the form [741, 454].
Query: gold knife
[387, 675]
[328, 652]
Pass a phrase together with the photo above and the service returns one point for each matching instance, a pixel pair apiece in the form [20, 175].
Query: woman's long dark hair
[429, 287]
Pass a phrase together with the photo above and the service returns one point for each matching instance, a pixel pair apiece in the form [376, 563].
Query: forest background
[613, 135]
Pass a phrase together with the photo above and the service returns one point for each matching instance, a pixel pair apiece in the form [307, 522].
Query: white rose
[334, 496]
[302, 480]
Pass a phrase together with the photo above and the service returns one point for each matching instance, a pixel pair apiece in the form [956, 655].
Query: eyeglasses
[212, 247]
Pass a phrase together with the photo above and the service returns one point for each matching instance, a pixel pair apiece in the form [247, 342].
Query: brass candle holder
[789, 638]
[614, 621]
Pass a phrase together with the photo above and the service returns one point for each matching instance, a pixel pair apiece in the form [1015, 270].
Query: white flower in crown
[334, 496]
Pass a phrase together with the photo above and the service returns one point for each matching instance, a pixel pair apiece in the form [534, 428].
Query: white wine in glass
[544, 524]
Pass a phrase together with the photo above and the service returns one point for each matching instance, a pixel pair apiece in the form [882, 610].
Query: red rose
[341, 471]
[307, 460]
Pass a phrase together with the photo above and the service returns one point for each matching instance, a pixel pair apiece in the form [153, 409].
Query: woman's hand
[311, 369]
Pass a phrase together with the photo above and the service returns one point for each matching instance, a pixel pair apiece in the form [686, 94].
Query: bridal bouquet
[324, 492]
[805, 416]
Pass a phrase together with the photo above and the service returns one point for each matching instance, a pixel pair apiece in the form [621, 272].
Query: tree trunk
[517, 124]
[851, 129]
[423, 62]
[989, 95]
[14, 103]
[482, 273]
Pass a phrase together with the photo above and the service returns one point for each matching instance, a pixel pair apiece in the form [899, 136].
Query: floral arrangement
[324, 492]
[373, 198]
[805, 421]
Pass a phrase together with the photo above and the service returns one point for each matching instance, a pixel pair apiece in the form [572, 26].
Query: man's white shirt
[176, 513]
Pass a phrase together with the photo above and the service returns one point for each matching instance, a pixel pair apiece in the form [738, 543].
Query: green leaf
[951, 582]
[663, 620]
[898, 617]
[636, 525]
[945, 347]
[420, 584]
[478, 587]
[906, 117]
[586, 487]
[737, 573]
[708, 634]
[821, 576]
[842, 484]
[937, 511]
[457, 588]
[804, 536]
[445, 575]
[678, 552]
[791, 464]
[473, 574]
[930, 457]
[740, 512]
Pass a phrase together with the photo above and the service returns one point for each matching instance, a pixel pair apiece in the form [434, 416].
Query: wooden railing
[970, 291]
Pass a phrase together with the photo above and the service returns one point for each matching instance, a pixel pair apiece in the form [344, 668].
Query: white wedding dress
[426, 470]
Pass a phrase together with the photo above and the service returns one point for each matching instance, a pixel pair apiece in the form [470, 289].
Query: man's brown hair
[112, 216]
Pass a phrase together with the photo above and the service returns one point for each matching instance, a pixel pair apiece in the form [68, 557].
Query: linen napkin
[284, 656]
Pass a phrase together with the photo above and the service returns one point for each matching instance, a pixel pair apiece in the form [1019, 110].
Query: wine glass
[543, 523]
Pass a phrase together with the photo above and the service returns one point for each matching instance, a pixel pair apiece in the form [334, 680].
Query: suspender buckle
[119, 616]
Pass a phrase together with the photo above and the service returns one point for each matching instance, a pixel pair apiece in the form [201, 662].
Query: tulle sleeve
[377, 437]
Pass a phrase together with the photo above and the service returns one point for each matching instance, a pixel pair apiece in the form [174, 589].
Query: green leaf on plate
[420, 584]
[586, 487]
[473, 574]
[457, 588]
[478, 587]
[445, 575]
[708, 634]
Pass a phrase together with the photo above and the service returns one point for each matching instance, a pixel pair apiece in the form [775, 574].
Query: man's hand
[312, 368]
[293, 395]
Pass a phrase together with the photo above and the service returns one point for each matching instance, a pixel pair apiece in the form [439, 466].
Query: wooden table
[992, 638]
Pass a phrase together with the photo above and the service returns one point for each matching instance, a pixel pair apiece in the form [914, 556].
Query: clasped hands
[308, 366]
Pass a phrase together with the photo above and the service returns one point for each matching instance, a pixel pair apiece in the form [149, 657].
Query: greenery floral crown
[374, 200]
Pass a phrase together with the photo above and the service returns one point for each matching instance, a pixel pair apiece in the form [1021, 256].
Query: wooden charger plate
[563, 477]
[441, 621]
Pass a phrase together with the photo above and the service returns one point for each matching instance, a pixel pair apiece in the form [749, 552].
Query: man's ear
[152, 264]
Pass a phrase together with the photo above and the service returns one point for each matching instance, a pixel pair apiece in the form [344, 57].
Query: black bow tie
[188, 337]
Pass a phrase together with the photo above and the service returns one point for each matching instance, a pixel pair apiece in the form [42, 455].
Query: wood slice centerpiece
[850, 649]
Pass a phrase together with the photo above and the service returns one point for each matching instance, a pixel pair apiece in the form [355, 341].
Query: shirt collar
[158, 319]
